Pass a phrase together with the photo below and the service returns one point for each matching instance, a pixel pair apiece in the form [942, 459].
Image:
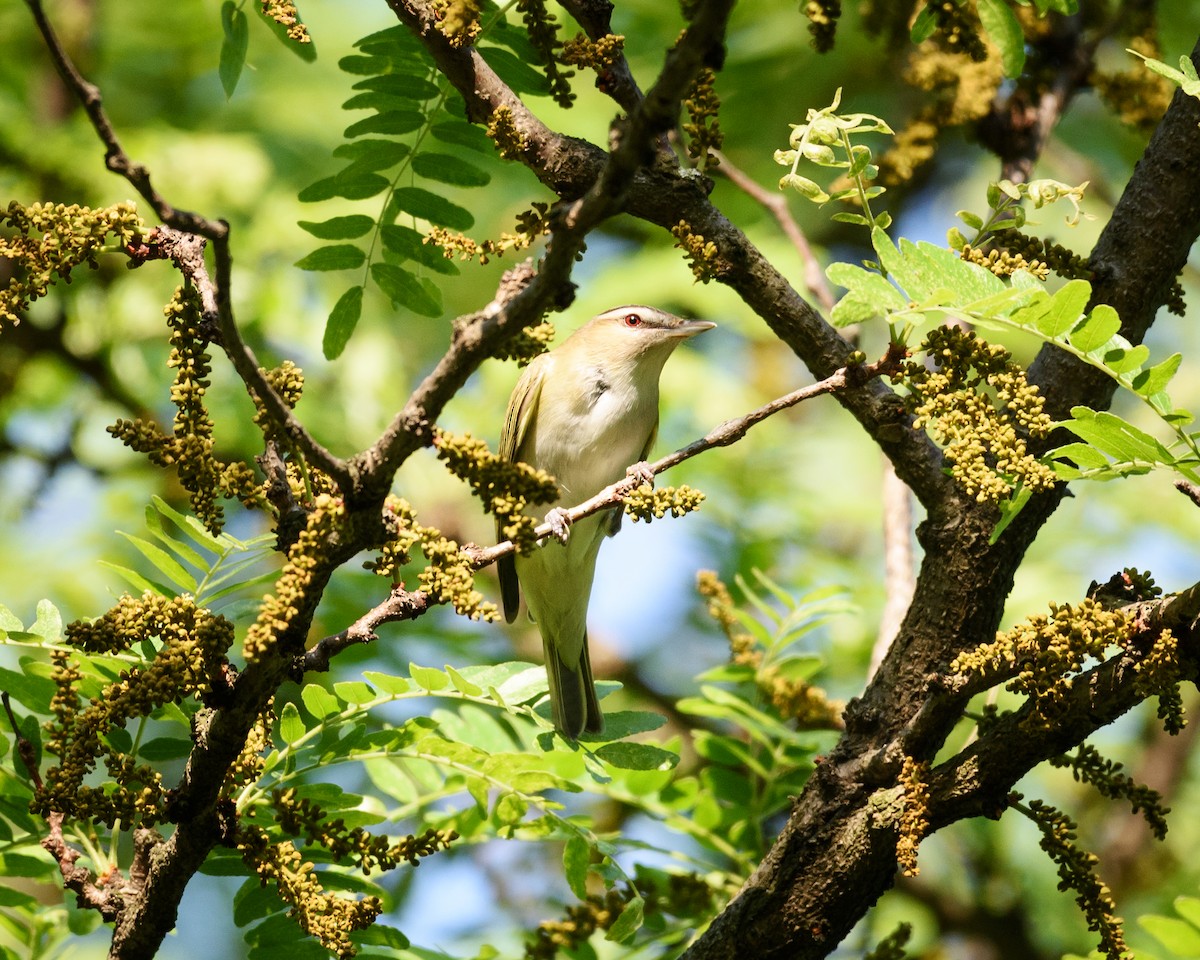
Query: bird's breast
[589, 440]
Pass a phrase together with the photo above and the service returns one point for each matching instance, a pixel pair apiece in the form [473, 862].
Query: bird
[587, 413]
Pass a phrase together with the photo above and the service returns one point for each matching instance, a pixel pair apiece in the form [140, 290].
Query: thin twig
[776, 204]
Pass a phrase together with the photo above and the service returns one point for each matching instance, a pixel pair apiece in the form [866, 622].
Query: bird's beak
[689, 328]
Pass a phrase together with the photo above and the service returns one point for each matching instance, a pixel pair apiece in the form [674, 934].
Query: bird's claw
[560, 524]
[642, 473]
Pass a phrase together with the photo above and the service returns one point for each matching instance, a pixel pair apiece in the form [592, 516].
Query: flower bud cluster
[651, 503]
[977, 403]
[190, 447]
[293, 588]
[51, 239]
[190, 657]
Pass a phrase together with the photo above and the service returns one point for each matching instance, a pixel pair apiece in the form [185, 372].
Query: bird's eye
[632, 320]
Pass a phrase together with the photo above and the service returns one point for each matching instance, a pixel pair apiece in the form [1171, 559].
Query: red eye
[632, 320]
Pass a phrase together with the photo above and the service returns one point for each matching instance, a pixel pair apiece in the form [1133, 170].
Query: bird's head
[632, 332]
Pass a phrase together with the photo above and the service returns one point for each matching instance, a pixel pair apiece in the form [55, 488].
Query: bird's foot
[560, 524]
[642, 473]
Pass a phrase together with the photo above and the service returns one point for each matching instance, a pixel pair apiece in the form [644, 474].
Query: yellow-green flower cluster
[914, 821]
[189, 660]
[284, 13]
[1087, 765]
[543, 34]
[504, 488]
[580, 921]
[599, 54]
[1003, 263]
[1159, 671]
[742, 648]
[503, 131]
[458, 20]
[531, 224]
[1046, 652]
[49, 240]
[293, 589]
[648, 503]
[703, 127]
[1077, 872]
[248, 766]
[329, 918]
[702, 255]
[287, 379]
[977, 403]
[795, 699]
[190, 448]
[449, 576]
[301, 817]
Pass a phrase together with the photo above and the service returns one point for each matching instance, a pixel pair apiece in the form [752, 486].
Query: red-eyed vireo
[585, 412]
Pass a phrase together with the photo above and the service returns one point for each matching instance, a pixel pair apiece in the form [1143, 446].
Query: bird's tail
[572, 693]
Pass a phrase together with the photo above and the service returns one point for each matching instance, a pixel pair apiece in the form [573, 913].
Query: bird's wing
[522, 406]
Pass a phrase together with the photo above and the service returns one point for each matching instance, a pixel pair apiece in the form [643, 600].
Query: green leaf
[1155, 380]
[1087, 458]
[393, 122]
[1127, 358]
[319, 701]
[462, 134]
[165, 748]
[136, 580]
[343, 318]
[445, 168]
[167, 565]
[339, 228]
[354, 691]
[236, 40]
[510, 809]
[291, 725]
[628, 923]
[432, 207]
[305, 51]
[1063, 309]
[461, 684]
[427, 678]
[1116, 437]
[369, 154]
[386, 683]
[517, 73]
[637, 756]
[193, 527]
[1005, 31]
[1178, 936]
[28, 689]
[338, 256]
[1189, 909]
[924, 24]
[577, 856]
[405, 86]
[403, 289]
[1096, 329]
[184, 551]
[358, 186]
